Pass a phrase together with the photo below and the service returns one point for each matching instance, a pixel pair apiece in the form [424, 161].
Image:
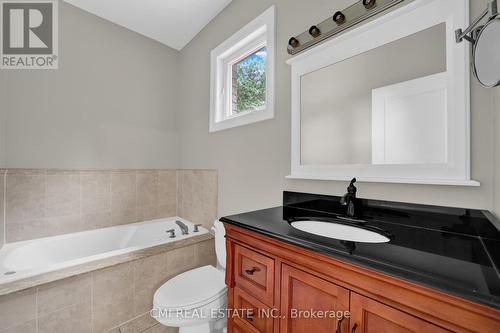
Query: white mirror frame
[402, 22]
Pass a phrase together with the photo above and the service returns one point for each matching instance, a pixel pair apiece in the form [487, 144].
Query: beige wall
[496, 152]
[254, 160]
[111, 104]
[2, 202]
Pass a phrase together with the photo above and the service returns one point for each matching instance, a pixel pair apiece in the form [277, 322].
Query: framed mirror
[387, 101]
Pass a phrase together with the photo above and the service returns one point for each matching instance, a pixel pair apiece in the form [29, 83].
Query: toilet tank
[220, 243]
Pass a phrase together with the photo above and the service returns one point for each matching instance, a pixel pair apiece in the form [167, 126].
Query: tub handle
[172, 233]
[196, 228]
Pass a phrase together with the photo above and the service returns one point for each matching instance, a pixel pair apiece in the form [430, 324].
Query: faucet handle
[196, 228]
[172, 233]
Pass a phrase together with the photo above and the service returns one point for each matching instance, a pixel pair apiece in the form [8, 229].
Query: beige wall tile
[167, 193]
[63, 225]
[111, 281]
[96, 192]
[62, 294]
[114, 330]
[111, 312]
[43, 203]
[75, 319]
[63, 193]
[112, 296]
[25, 195]
[161, 329]
[197, 196]
[96, 220]
[147, 188]
[149, 274]
[24, 230]
[139, 324]
[180, 260]
[29, 327]
[205, 253]
[123, 197]
[146, 213]
[17, 308]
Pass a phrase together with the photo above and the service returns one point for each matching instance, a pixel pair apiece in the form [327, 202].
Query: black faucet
[349, 198]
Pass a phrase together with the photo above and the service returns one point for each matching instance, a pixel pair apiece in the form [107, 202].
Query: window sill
[242, 120]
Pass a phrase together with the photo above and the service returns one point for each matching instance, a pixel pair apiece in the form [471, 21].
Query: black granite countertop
[453, 250]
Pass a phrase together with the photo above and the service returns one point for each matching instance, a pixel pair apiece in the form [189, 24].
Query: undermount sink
[340, 231]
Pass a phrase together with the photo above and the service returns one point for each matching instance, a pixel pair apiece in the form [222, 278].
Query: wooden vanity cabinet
[278, 280]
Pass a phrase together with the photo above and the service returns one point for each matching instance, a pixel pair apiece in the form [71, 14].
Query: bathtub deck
[29, 282]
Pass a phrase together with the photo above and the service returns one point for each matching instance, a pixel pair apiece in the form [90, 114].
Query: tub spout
[184, 228]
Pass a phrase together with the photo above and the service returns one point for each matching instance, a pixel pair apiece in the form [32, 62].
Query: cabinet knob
[252, 270]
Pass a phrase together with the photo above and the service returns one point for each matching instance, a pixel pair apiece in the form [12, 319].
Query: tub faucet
[349, 198]
[184, 228]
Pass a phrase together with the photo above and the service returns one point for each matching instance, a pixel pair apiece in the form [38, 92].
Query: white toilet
[194, 300]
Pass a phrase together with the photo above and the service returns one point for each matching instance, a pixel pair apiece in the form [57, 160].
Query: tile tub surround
[48, 202]
[197, 197]
[114, 299]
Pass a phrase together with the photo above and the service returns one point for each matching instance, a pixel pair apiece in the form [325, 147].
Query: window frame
[257, 34]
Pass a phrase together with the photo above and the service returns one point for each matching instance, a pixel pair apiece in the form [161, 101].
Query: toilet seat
[192, 289]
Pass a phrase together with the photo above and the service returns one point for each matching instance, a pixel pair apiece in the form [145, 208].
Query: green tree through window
[249, 82]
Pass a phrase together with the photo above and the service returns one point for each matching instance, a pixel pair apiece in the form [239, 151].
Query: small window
[248, 90]
[242, 76]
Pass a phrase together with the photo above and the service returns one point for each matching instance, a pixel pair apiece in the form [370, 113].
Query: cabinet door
[257, 315]
[310, 304]
[369, 316]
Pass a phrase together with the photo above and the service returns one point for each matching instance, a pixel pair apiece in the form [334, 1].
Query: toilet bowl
[195, 300]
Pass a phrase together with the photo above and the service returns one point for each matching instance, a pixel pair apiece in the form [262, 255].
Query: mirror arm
[491, 12]
[461, 35]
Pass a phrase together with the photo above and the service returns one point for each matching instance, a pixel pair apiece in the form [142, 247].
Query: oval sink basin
[340, 231]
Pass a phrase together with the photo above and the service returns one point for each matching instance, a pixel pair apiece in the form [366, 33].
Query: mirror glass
[384, 106]
[487, 54]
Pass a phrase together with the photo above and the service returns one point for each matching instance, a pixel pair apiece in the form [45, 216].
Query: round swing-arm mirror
[486, 54]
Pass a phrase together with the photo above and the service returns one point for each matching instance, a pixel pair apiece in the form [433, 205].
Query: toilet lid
[191, 289]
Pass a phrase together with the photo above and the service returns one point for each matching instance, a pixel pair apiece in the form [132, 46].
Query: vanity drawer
[254, 315]
[254, 273]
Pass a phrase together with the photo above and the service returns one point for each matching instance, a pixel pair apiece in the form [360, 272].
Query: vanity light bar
[338, 22]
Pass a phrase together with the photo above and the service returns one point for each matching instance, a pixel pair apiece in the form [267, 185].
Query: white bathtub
[36, 257]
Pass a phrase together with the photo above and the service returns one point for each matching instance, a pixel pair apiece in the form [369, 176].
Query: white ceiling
[171, 22]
